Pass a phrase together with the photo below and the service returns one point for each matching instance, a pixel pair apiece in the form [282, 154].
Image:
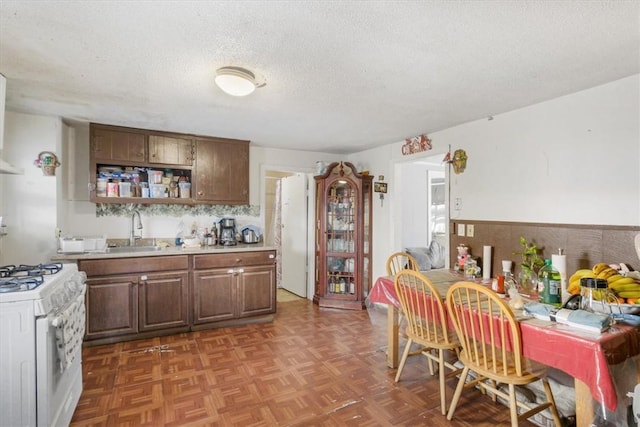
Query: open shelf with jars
[342, 237]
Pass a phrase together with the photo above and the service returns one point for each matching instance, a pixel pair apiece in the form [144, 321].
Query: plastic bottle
[550, 280]
[214, 234]
[180, 234]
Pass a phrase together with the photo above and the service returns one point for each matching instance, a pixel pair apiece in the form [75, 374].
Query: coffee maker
[227, 232]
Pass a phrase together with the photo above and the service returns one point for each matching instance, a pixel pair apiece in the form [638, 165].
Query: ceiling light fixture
[237, 81]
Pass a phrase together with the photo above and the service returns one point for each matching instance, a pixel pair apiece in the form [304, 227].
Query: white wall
[572, 160]
[29, 201]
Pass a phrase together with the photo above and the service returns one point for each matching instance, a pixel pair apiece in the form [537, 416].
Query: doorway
[287, 224]
[422, 204]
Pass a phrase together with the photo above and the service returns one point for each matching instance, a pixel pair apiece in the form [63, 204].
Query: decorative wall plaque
[416, 144]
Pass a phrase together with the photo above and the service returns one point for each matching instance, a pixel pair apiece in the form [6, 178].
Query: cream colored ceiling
[342, 76]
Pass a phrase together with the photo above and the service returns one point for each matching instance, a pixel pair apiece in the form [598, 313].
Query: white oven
[42, 320]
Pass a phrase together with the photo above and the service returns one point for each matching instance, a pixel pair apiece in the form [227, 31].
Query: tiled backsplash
[104, 209]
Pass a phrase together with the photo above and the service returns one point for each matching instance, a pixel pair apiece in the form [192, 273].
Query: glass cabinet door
[341, 237]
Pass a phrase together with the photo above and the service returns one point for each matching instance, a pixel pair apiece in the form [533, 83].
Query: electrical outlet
[457, 204]
[461, 230]
[470, 230]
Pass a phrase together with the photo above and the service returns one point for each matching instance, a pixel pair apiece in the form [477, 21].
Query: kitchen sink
[129, 249]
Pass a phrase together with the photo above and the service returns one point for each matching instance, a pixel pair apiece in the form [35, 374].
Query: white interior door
[294, 234]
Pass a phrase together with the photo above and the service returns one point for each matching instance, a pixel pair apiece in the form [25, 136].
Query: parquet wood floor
[309, 367]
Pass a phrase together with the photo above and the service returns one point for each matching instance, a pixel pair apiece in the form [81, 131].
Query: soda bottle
[550, 280]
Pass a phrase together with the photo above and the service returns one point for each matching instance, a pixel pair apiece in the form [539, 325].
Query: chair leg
[443, 389]
[403, 359]
[457, 393]
[430, 361]
[552, 408]
[513, 406]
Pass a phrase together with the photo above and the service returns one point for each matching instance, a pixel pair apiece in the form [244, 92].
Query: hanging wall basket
[48, 162]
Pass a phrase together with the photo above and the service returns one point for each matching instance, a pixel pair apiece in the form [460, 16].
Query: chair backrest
[400, 261]
[422, 306]
[487, 330]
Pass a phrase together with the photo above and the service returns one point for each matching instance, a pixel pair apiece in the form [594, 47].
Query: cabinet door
[164, 300]
[112, 306]
[110, 146]
[214, 294]
[222, 171]
[256, 291]
[170, 151]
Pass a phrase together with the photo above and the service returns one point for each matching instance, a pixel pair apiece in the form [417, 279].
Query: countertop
[171, 250]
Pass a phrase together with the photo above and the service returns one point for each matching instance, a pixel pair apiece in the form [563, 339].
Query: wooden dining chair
[424, 311]
[399, 261]
[492, 348]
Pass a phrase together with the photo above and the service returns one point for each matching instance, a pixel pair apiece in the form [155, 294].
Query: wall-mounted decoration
[417, 144]
[48, 162]
[459, 161]
[380, 187]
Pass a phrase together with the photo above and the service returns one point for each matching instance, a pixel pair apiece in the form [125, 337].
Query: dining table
[594, 360]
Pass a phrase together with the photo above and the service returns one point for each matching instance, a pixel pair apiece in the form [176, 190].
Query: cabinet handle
[240, 270]
[238, 260]
[143, 277]
[230, 271]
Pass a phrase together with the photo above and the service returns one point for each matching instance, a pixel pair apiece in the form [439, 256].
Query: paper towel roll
[486, 262]
[559, 262]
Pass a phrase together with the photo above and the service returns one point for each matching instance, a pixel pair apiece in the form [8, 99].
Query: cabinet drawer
[236, 259]
[103, 267]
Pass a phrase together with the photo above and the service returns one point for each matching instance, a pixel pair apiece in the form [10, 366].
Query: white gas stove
[42, 318]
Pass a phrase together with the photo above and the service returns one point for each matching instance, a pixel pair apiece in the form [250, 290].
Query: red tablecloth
[584, 356]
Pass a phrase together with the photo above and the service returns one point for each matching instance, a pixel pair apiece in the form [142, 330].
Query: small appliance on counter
[250, 235]
[227, 228]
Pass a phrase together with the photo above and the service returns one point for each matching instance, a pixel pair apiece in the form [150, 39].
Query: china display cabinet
[343, 237]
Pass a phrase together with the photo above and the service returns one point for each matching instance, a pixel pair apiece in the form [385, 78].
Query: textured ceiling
[342, 76]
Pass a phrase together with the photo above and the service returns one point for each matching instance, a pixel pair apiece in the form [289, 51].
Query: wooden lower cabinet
[256, 289]
[225, 294]
[163, 300]
[131, 298]
[111, 306]
[233, 286]
[214, 293]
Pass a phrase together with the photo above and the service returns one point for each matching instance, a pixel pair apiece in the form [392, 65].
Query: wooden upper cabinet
[222, 168]
[110, 145]
[170, 150]
[218, 168]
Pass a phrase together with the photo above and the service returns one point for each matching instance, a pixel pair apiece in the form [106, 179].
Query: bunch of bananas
[624, 287]
[574, 281]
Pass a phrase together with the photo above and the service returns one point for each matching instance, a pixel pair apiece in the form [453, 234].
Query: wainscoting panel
[584, 245]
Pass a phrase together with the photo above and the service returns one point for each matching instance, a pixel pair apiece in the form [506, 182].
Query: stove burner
[30, 270]
[26, 283]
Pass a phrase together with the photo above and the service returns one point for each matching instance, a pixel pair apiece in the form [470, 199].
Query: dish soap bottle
[550, 279]
[180, 233]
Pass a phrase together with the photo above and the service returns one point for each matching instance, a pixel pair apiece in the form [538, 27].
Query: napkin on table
[581, 319]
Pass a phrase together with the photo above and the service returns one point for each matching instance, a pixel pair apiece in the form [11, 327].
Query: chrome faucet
[132, 235]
